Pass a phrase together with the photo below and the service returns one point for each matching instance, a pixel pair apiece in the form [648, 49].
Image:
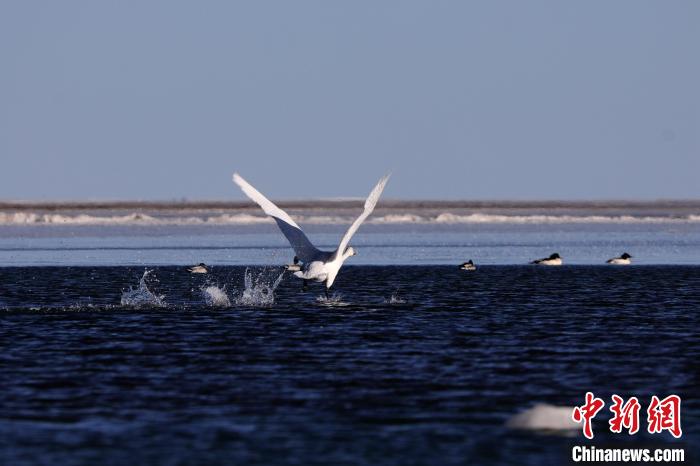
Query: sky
[160, 100]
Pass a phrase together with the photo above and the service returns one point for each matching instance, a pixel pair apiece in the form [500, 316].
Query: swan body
[317, 265]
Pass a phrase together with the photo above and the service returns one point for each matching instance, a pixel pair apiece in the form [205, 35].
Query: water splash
[258, 291]
[334, 300]
[142, 296]
[215, 296]
[395, 299]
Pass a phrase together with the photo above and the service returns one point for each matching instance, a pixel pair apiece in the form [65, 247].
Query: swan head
[350, 252]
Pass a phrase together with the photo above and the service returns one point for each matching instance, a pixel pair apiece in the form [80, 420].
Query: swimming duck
[200, 268]
[554, 259]
[469, 265]
[624, 259]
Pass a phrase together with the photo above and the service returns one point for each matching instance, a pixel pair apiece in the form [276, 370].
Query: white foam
[137, 218]
[399, 218]
[237, 219]
[215, 296]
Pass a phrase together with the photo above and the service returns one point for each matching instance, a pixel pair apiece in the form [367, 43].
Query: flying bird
[317, 265]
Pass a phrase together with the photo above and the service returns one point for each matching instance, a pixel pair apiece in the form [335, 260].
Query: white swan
[320, 266]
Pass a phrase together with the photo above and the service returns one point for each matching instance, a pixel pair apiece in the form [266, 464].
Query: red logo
[625, 415]
[661, 415]
[665, 415]
[587, 412]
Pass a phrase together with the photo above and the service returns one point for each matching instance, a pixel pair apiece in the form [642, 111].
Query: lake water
[111, 353]
[402, 244]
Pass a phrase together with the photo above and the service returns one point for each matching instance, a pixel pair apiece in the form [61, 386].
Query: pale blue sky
[461, 100]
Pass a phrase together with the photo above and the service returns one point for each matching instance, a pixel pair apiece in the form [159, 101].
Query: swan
[624, 259]
[317, 265]
[554, 259]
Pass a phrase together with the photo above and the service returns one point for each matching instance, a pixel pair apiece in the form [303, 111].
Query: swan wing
[303, 248]
[369, 207]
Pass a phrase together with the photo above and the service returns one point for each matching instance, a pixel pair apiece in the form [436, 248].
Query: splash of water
[215, 296]
[336, 299]
[258, 291]
[142, 296]
[395, 299]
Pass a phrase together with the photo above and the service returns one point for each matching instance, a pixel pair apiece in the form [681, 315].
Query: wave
[136, 219]
[23, 218]
[491, 218]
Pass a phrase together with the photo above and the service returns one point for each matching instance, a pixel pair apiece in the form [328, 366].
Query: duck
[624, 259]
[554, 259]
[200, 268]
[294, 267]
[469, 265]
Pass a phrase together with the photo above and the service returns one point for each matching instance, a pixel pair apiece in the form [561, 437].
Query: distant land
[145, 213]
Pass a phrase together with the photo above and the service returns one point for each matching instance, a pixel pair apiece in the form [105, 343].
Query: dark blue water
[428, 377]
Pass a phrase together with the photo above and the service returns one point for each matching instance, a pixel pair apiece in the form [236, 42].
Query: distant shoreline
[335, 212]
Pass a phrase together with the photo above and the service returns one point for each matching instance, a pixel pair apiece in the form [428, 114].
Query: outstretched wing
[369, 207]
[303, 248]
